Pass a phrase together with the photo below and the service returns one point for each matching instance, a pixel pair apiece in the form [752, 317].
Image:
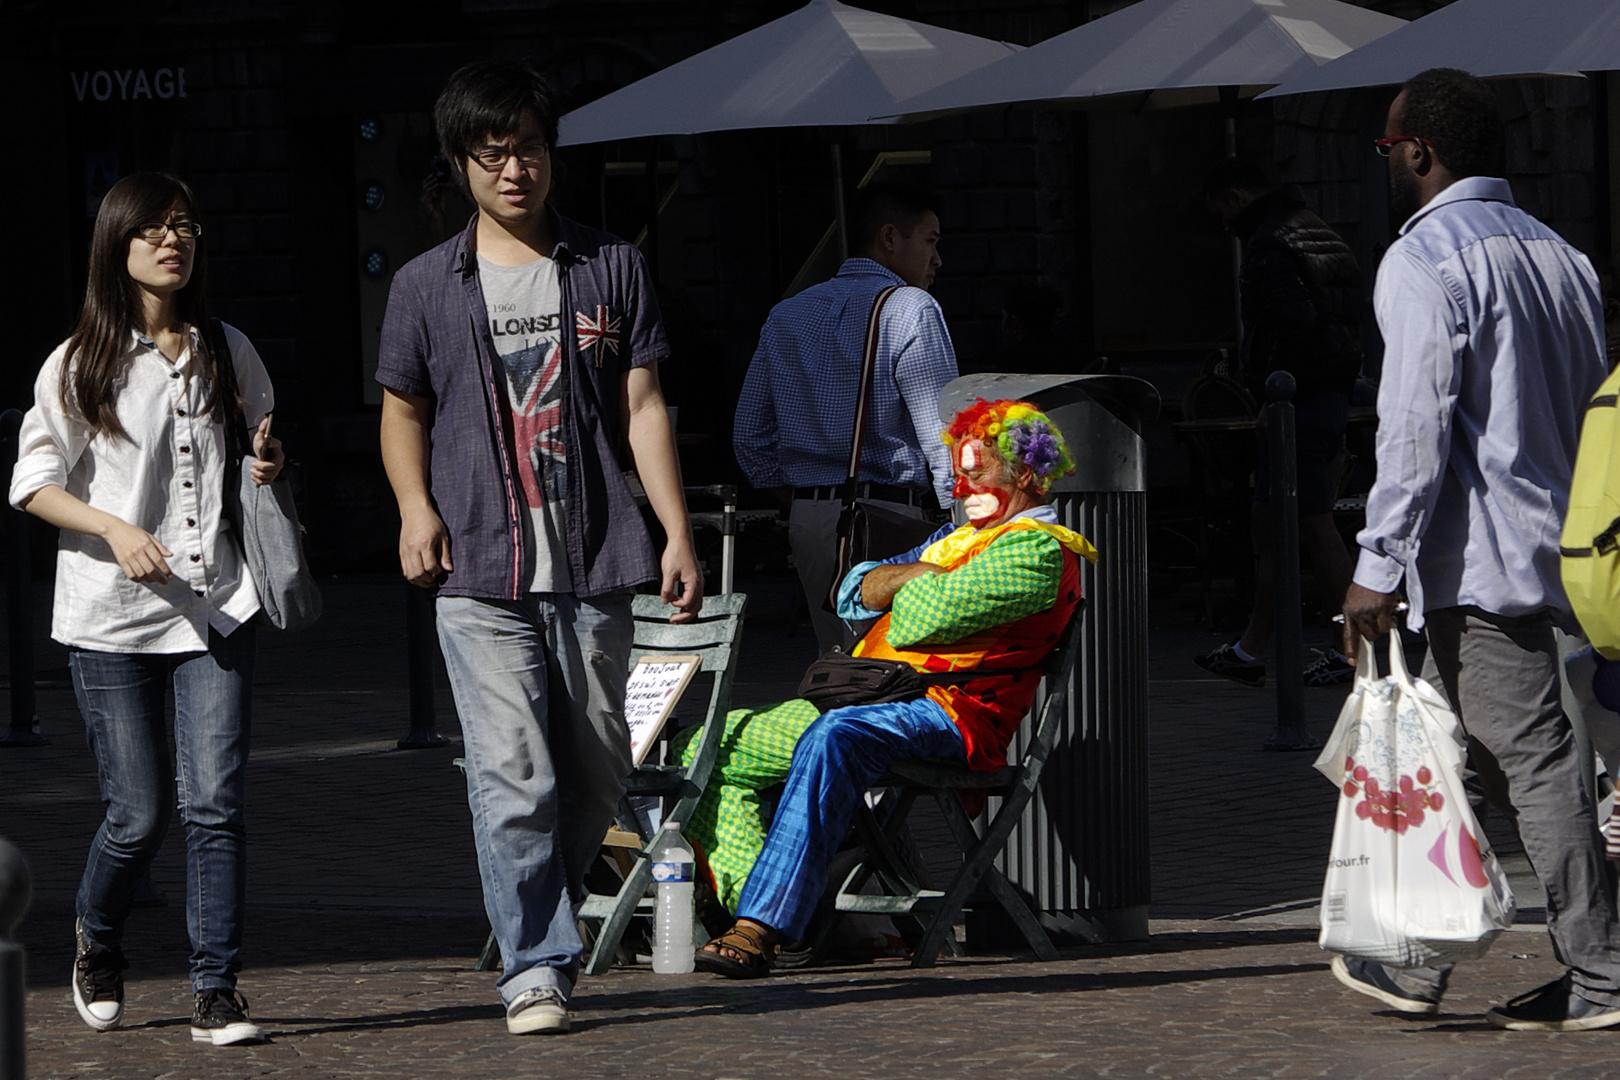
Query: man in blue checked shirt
[796, 416]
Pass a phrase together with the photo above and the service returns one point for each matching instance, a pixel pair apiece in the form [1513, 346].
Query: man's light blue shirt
[797, 409]
[1493, 344]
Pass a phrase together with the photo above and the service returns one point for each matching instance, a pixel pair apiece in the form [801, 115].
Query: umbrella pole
[838, 202]
[1229, 102]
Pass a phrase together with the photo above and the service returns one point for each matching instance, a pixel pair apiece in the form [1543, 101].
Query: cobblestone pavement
[365, 916]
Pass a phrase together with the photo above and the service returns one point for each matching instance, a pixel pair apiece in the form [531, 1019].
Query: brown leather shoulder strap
[863, 403]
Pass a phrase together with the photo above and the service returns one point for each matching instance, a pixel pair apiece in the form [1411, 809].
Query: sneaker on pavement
[1226, 663]
[98, 982]
[1366, 977]
[542, 1010]
[1330, 668]
[1554, 1007]
[220, 1016]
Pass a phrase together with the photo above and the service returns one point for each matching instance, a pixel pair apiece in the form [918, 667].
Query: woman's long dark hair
[98, 352]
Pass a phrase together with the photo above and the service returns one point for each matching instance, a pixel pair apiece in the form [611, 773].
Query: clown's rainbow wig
[1020, 433]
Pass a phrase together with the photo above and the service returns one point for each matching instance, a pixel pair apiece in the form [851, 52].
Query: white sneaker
[540, 1011]
[221, 1017]
[98, 982]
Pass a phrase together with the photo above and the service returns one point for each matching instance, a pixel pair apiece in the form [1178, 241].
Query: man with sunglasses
[1493, 337]
[520, 367]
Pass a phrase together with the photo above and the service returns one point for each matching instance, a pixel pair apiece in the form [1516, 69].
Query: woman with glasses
[125, 451]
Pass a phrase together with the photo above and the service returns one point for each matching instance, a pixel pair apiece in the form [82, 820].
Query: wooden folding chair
[935, 911]
[712, 636]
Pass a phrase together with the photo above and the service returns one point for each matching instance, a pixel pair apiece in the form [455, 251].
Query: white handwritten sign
[656, 684]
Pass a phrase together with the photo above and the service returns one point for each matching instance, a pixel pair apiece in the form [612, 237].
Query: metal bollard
[1289, 649]
[420, 646]
[16, 891]
[24, 727]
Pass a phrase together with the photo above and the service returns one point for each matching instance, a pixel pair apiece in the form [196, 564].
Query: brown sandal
[749, 941]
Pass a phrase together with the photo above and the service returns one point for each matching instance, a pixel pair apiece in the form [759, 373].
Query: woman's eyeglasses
[158, 231]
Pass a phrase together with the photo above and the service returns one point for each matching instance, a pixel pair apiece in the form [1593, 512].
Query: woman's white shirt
[167, 478]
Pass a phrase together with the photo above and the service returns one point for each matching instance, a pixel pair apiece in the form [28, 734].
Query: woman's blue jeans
[122, 698]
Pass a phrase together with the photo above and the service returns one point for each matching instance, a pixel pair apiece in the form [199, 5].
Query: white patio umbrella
[1490, 38]
[1166, 53]
[827, 64]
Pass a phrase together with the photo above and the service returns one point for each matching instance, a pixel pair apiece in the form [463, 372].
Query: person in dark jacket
[1300, 289]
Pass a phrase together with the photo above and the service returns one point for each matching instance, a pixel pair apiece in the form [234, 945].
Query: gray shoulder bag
[263, 516]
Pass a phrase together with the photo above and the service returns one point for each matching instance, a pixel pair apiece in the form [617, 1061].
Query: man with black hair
[797, 410]
[519, 362]
[1493, 336]
[1300, 289]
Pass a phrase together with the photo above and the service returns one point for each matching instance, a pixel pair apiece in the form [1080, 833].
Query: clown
[992, 596]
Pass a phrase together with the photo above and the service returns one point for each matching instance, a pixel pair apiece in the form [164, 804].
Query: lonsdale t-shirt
[525, 318]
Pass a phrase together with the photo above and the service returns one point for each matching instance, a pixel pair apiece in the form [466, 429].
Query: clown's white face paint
[983, 506]
[970, 454]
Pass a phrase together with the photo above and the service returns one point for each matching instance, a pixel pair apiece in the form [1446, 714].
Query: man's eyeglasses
[157, 231]
[1384, 146]
[494, 159]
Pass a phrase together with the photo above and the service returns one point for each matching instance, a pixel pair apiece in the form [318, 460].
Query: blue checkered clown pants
[839, 757]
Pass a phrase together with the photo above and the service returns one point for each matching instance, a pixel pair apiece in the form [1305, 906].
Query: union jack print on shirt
[534, 388]
[602, 332]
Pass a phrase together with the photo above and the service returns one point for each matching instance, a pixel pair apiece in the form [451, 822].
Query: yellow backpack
[1591, 542]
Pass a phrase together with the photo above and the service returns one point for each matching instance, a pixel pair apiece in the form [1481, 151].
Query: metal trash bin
[1080, 853]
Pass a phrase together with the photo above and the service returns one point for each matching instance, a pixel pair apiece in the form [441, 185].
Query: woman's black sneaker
[98, 982]
[220, 1016]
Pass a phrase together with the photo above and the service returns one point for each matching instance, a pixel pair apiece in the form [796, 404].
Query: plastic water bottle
[672, 929]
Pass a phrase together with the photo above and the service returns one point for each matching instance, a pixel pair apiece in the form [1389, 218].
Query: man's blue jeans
[122, 698]
[539, 688]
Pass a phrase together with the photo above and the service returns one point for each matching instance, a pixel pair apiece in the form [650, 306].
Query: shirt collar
[1044, 512]
[466, 263]
[140, 340]
[1470, 188]
[860, 265]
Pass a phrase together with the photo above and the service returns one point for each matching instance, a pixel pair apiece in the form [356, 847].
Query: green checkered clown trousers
[729, 822]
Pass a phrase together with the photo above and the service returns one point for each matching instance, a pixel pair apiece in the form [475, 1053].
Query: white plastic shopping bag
[1410, 879]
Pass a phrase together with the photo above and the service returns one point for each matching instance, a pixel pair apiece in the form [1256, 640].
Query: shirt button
[179, 412]
[185, 483]
[185, 449]
[196, 558]
[199, 592]
[174, 374]
[191, 523]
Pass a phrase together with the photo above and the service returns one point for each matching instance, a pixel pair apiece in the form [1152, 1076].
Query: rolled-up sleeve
[252, 380]
[50, 441]
[850, 608]
[1424, 338]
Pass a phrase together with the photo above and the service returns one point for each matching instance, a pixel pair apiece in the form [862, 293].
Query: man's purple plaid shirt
[436, 343]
